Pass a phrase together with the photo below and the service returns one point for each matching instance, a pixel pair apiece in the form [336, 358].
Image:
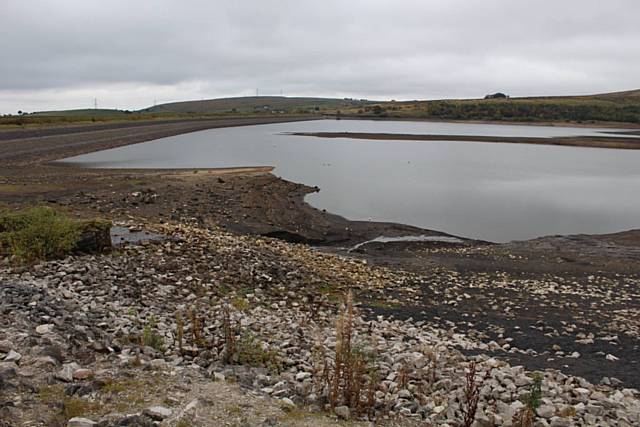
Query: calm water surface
[490, 191]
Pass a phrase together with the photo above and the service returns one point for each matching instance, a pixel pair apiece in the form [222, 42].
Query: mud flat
[626, 143]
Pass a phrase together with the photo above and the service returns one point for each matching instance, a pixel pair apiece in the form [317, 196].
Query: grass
[41, 233]
[150, 336]
[251, 352]
[37, 233]
[69, 407]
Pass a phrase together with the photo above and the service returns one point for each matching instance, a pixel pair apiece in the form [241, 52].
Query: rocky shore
[112, 337]
[227, 307]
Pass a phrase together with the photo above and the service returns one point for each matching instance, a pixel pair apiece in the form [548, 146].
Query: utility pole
[95, 103]
[257, 92]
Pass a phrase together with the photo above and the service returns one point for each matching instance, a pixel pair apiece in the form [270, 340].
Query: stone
[158, 413]
[82, 374]
[302, 376]
[288, 402]
[560, 422]
[342, 412]
[66, 373]
[44, 329]
[546, 411]
[81, 422]
[13, 356]
[5, 346]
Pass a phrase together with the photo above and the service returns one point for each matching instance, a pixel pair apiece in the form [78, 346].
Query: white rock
[288, 402]
[13, 356]
[66, 373]
[546, 411]
[80, 422]
[44, 329]
[611, 358]
[158, 413]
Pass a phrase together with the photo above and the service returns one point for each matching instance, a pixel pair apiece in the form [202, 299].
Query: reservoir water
[491, 191]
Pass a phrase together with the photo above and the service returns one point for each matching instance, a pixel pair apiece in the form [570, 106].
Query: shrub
[37, 233]
[40, 233]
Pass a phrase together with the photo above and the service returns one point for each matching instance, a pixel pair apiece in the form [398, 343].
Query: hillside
[623, 107]
[250, 104]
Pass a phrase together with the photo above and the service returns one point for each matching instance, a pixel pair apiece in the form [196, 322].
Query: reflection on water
[495, 192]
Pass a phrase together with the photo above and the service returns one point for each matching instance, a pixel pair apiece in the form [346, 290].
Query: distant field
[623, 107]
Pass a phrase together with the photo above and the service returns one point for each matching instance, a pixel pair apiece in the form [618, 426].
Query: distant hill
[251, 104]
[622, 107]
[92, 112]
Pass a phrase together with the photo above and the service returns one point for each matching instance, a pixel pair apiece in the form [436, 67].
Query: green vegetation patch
[40, 233]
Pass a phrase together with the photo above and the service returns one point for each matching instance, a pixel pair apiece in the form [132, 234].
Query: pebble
[157, 413]
[342, 412]
[81, 422]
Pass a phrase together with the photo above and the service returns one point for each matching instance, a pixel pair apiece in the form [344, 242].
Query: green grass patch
[40, 233]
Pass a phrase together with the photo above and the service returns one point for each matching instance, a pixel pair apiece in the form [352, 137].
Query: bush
[40, 233]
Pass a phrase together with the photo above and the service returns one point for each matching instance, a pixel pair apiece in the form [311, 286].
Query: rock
[7, 371]
[342, 412]
[95, 236]
[288, 402]
[546, 411]
[82, 374]
[66, 373]
[5, 346]
[560, 422]
[44, 329]
[81, 422]
[302, 376]
[13, 356]
[611, 358]
[218, 376]
[158, 413]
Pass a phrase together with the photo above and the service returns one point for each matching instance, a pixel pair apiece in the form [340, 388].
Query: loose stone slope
[136, 337]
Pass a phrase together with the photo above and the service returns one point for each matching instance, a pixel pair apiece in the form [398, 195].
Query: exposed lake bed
[535, 303]
[494, 192]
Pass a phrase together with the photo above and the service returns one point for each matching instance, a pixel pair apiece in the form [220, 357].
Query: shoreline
[594, 125]
[578, 141]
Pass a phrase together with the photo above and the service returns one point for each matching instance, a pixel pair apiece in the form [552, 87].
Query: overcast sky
[64, 53]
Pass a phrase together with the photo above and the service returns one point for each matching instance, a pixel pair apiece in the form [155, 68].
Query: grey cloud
[380, 49]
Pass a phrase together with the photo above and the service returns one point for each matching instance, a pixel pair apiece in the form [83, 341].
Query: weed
[351, 378]
[180, 332]
[240, 304]
[251, 352]
[150, 337]
[472, 394]
[526, 416]
[229, 335]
